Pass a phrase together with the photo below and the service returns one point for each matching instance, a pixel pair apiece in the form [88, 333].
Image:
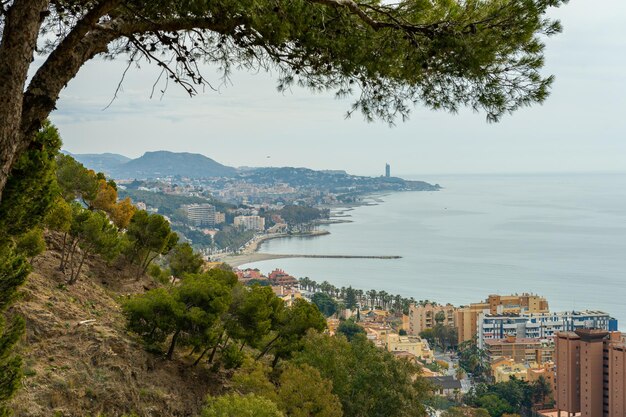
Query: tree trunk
[275, 361]
[170, 351]
[65, 252]
[73, 279]
[17, 46]
[70, 257]
[201, 356]
[215, 348]
[267, 347]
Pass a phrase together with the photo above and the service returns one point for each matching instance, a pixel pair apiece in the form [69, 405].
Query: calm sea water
[560, 236]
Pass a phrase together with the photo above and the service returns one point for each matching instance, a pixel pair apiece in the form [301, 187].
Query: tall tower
[387, 170]
[590, 373]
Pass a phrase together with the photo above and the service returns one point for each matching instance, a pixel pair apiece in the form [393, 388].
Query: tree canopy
[368, 381]
[389, 56]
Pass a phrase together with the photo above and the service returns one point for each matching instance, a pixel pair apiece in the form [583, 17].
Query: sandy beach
[251, 254]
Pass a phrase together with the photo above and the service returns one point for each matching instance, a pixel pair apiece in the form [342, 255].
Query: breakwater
[238, 260]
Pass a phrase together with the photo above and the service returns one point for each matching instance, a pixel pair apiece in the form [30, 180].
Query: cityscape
[312, 208]
[519, 335]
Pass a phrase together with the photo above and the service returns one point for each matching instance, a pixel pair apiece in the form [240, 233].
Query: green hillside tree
[183, 260]
[150, 236]
[302, 392]
[232, 405]
[186, 314]
[32, 188]
[368, 381]
[254, 312]
[76, 181]
[294, 323]
[153, 315]
[350, 329]
[13, 272]
[28, 196]
[325, 303]
[31, 243]
[350, 298]
[486, 55]
[94, 235]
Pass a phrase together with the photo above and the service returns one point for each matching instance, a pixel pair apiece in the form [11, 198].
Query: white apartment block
[540, 325]
[200, 214]
[250, 222]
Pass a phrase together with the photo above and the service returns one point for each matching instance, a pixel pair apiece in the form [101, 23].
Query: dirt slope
[80, 361]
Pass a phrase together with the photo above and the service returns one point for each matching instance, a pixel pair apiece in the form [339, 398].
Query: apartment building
[521, 350]
[411, 344]
[466, 318]
[200, 214]
[590, 373]
[422, 317]
[250, 222]
[540, 325]
[220, 217]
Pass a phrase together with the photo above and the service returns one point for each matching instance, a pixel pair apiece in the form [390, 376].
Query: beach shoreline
[250, 252]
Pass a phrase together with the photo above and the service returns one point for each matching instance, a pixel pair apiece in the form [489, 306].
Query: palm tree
[397, 303]
[304, 283]
[359, 295]
[382, 295]
[386, 300]
[326, 287]
[372, 296]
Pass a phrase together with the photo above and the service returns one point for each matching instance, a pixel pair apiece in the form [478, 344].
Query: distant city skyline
[580, 128]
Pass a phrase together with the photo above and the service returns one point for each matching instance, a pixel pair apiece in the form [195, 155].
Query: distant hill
[100, 162]
[164, 163]
[156, 164]
[335, 181]
[160, 164]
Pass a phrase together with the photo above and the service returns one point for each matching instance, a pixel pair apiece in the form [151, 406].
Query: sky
[580, 128]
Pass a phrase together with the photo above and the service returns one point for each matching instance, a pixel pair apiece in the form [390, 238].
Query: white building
[200, 214]
[250, 222]
[540, 325]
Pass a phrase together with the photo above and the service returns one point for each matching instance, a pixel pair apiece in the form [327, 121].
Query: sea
[562, 236]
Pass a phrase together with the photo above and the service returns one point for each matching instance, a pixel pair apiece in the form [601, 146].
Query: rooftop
[445, 382]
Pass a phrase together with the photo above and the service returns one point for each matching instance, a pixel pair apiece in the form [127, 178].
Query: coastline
[250, 252]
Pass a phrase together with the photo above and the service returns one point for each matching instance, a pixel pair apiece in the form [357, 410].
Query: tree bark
[170, 352]
[215, 347]
[17, 46]
[204, 352]
[267, 347]
[80, 266]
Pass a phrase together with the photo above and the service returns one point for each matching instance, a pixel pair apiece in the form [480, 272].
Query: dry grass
[97, 368]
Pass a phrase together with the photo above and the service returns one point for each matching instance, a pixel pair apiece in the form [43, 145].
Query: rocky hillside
[79, 360]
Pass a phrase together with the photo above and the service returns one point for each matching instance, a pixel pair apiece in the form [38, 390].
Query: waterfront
[561, 236]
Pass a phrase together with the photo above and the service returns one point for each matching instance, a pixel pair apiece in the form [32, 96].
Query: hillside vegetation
[79, 359]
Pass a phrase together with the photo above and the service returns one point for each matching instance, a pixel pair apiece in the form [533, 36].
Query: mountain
[165, 163]
[155, 165]
[100, 162]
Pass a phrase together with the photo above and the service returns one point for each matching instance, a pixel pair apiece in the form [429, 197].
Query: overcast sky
[581, 127]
